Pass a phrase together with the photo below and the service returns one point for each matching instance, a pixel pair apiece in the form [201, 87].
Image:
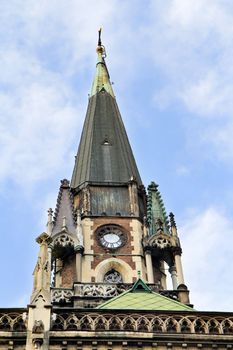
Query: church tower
[107, 230]
[100, 280]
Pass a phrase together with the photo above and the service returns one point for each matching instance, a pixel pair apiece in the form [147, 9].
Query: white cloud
[38, 110]
[191, 43]
[46, 44]
[196, 37]
[207, 249]
[37, 123]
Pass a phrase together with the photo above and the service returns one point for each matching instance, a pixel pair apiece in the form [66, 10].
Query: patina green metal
[141, 297]
[156, 212]
[102, 78]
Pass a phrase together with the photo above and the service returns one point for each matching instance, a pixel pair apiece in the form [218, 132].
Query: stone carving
[64, 240]
[62, 295]
[38, 327]
[41, 274]
[12, 322]
[161, 242]
[146, 322]
[79, 230]
[89, 290]
[103, 290]
[113, 276]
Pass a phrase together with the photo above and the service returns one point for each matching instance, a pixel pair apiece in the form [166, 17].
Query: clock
[111, 237]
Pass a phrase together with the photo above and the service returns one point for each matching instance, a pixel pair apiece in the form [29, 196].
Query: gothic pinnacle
[173, 224]
[50, 221]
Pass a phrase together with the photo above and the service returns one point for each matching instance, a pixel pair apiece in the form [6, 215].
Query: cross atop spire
[99, 41]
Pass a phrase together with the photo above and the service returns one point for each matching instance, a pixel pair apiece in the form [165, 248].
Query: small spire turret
[173, 224]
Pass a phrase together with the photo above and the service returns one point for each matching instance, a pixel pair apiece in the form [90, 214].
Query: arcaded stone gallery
[100, 281]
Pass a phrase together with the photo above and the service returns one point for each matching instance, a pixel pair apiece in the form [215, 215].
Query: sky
[170, 62]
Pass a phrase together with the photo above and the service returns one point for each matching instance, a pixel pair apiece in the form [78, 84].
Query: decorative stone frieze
[64, 240]
[61, 295]
[11, 322]
[143, 322]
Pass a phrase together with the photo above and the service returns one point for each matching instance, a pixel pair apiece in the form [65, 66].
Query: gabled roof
[141, 297]
[104, 154]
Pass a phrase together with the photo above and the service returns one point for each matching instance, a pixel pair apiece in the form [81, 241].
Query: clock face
[111, 237]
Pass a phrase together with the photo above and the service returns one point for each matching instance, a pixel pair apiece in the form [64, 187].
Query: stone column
[39, 310]
[164, 276]
[149, 267]
[57, 273]
[179, 269]
[79, 253]
[133, 197]
[172, 271]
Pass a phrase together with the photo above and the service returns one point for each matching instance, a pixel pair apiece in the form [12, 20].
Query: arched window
[113, 276]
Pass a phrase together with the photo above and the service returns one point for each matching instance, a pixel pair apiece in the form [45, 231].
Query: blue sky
[171, 64]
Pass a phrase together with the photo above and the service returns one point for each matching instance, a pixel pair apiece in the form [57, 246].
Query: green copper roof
[102, 78]
[156, 210]
[140, 297]
[104, 155]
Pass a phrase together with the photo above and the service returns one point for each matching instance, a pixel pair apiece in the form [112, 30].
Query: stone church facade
[100, 281]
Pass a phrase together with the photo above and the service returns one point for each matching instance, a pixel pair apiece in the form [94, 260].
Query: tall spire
[104, 154]
[102, 78]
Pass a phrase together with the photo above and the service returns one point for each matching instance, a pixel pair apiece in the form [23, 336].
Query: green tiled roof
[140, 297]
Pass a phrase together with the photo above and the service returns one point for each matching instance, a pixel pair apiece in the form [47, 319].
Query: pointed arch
[114, 324]
[118, 265]
[142, 324]
[200, 326]
[72, 323]
[185, 325]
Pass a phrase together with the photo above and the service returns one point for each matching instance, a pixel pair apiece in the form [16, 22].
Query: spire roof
[104, 155]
